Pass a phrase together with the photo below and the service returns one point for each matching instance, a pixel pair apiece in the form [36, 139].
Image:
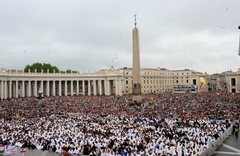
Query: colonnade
[51, 87]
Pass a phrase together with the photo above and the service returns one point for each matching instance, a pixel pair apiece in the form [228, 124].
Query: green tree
[46, 67]
[38, 66]
[56, 69]
[27, 67]
[69, 71]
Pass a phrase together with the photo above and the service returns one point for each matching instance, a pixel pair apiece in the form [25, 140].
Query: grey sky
[83, 35]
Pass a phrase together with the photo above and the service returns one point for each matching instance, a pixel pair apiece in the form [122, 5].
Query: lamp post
[238, 54]
[239, 43]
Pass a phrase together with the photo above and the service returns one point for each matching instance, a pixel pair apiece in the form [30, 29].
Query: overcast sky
[84, 35]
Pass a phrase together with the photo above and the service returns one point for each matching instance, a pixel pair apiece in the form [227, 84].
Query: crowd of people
[162, 124]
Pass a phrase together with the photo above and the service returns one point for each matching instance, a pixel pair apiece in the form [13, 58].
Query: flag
[2, 148]
[203, 82]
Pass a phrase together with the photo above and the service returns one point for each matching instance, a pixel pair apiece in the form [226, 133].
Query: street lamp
[239, 43]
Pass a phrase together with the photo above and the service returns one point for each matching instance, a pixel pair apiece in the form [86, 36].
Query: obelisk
[136, 88]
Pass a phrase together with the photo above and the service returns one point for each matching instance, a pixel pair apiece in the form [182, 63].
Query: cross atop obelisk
[135, 17]
[136, 88]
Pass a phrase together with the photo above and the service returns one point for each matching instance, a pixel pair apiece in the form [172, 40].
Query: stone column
[83, 87]
[5, 90]
[117, 87]
[29, 88]
[35, 88]
[60, 88]
[108, 87]
[89, 87]
[100, 87]
[1, 90]
[54, 88]
[71, 88]
[10, 89]
[20, 89]
[105, 87]
[121, 86]
[47, 90]
[41, 88]
[16, 89]
[23, 88]
[77, 87]
[94, 88]
[65, 89]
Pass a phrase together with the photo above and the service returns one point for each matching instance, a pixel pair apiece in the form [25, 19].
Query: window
[233, 81]
[194, 82]
[127, 82]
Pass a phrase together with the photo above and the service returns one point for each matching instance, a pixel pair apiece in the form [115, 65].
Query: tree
[27, 67]
[39, 67]
[69, 71]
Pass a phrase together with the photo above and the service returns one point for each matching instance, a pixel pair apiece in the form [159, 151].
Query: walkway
[231, 147]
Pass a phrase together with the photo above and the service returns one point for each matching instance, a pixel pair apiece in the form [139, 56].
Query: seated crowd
[164, 124]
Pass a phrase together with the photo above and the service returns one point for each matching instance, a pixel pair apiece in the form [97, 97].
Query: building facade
[217, 82]
[158, 80]
[16, 83]
[227, 81]
[233, 79]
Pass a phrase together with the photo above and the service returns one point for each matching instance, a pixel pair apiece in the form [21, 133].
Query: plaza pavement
[230, 147]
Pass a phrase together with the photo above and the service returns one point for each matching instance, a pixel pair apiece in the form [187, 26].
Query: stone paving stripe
[232, 148]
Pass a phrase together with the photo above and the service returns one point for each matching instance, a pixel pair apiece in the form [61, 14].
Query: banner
[10, 150]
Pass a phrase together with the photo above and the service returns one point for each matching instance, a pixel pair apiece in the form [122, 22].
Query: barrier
[211, 149]
[38, 153]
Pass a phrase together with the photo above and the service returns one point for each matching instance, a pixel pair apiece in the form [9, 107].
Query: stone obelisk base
[137, 93]
[137, 98]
